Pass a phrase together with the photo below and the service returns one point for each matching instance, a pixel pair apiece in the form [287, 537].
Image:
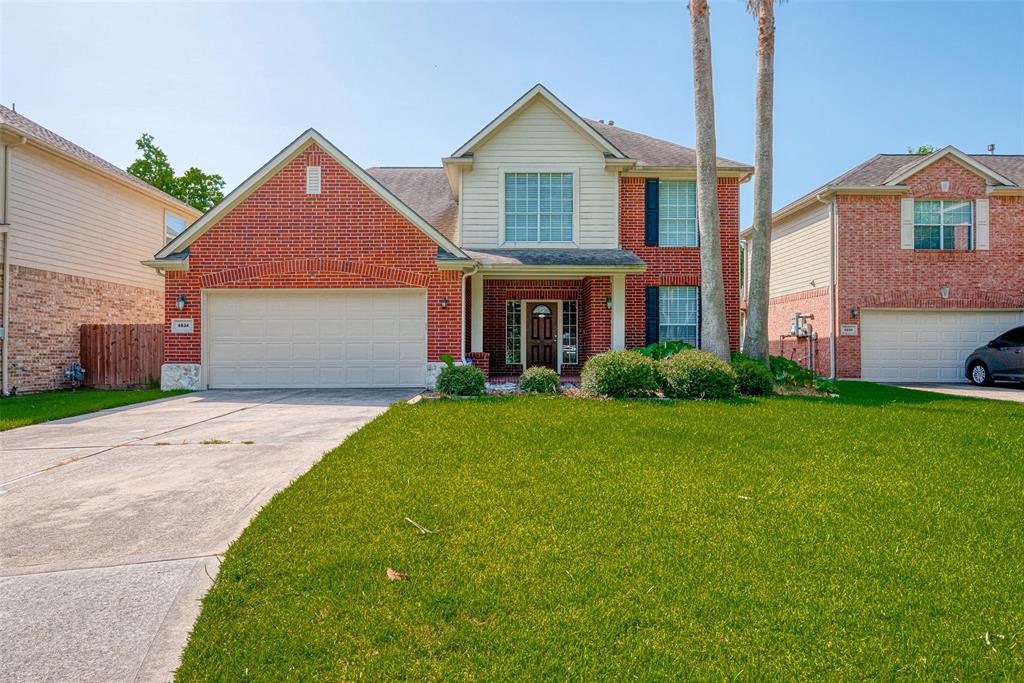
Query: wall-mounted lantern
[608, 303]
[180, 303]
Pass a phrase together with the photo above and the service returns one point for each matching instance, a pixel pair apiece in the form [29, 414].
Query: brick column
[482, 360]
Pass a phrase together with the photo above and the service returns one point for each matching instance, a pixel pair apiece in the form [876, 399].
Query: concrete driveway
[112, 524]
[997, 392]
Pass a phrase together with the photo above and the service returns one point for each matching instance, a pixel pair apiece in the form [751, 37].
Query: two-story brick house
[900, 267]
[544, 239]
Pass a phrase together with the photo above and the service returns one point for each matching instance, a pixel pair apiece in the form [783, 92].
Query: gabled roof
[286, 155]
[949, 151]
[426, 191]
[655, 153]
[23, 126]
[885, 173]
[539, 92]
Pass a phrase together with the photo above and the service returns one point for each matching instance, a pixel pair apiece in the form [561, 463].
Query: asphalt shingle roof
[653, 152]
[30, 128]
[425, 190]
[881, 167]
[555, 257]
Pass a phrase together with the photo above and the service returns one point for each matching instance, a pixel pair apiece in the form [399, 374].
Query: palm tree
[714, 330]
[755, 338]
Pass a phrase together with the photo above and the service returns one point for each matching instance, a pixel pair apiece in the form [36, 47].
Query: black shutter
[652, 320]
[651, 212]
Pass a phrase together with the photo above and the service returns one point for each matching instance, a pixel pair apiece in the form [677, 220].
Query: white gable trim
[286, 155]
[956, 154]
[539, 91]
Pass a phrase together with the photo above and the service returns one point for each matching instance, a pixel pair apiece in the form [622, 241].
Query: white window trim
[697, 345]
[971, 236]
[696, 216]
[541, 168]
[184, 221]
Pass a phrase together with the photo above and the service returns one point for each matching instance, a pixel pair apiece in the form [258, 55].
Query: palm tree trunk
[714, 330]
[755, 338]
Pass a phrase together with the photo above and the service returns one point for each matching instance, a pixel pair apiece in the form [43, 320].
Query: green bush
[752, 377]
[540, 380]
[790, 372]
[619, 374]
[461, 380]
[660, 350]
[696, 374]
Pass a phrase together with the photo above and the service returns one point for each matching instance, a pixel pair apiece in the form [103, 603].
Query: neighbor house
[73, 229]
[899, 268]
[544, 239]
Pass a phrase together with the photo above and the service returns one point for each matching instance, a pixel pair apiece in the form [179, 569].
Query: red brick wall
[347, 236]
[595, 318]
[498, 292]
[47, 310]
[875, 272]
[780, 319]
[680, 266]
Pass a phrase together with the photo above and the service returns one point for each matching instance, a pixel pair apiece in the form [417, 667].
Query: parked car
[1000, 359]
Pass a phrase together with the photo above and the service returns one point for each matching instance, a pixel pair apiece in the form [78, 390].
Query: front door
[542, 337]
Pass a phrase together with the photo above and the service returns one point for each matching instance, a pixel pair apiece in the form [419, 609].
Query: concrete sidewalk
[999, 392]
[112, 525]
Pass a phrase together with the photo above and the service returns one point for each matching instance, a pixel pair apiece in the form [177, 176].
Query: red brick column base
[482, 360]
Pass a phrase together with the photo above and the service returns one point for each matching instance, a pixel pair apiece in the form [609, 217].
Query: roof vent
[610, 122]
[991, 148]
[600, 120]
[312, 180]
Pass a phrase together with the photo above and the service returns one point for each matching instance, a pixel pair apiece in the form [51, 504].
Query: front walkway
[999, 392]
[112, 524]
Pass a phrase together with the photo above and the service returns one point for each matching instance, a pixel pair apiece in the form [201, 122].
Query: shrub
[696, 374]
[790, 372]
[619, 374]
[752, 377]
[660, 350]
[540, 380]
[461, 380]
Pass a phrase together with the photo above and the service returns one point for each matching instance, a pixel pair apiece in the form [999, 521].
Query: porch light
[444, 302]
[180, 303]
[608, 302]
[854, 312]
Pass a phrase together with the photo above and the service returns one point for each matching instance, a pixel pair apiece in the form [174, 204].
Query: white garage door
[926, 346]
[340, 338]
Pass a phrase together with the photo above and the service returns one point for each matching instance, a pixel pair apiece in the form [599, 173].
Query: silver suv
[1002, 358]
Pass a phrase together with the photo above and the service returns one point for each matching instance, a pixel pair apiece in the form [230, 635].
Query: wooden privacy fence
[121, 356]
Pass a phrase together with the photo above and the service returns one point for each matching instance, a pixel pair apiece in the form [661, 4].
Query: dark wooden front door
[542, 335]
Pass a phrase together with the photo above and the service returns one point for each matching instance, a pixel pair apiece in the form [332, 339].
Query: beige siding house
[73, 232]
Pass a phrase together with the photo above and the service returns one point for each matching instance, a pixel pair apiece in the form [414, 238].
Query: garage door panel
[316, 339]
[926, 346]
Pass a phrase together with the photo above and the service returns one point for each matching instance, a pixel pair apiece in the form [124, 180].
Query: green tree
[922, 150]
[196, 188]
[200, 190]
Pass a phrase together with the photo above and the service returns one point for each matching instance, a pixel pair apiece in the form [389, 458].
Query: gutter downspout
[462, 327]
[832, 318]
[6, 306]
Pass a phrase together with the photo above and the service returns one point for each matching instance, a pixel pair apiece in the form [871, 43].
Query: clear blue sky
[225, 86]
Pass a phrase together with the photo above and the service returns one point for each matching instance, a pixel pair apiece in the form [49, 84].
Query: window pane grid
[940, 224]
[570, 340]
[513, 332]
[538, 207]
[678, 314]
[677, 213]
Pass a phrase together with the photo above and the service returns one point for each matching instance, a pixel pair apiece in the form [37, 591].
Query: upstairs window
[943, 224]
[677, 213]
[173, 225]
[538, 207]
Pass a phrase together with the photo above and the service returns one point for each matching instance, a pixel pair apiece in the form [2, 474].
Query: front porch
[558, 323]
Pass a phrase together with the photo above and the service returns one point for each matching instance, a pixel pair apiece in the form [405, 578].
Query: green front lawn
[27, 409]
[875, 536]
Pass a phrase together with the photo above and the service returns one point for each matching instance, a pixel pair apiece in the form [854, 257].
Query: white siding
[536, 138]
[800, 253]
[68, 219]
